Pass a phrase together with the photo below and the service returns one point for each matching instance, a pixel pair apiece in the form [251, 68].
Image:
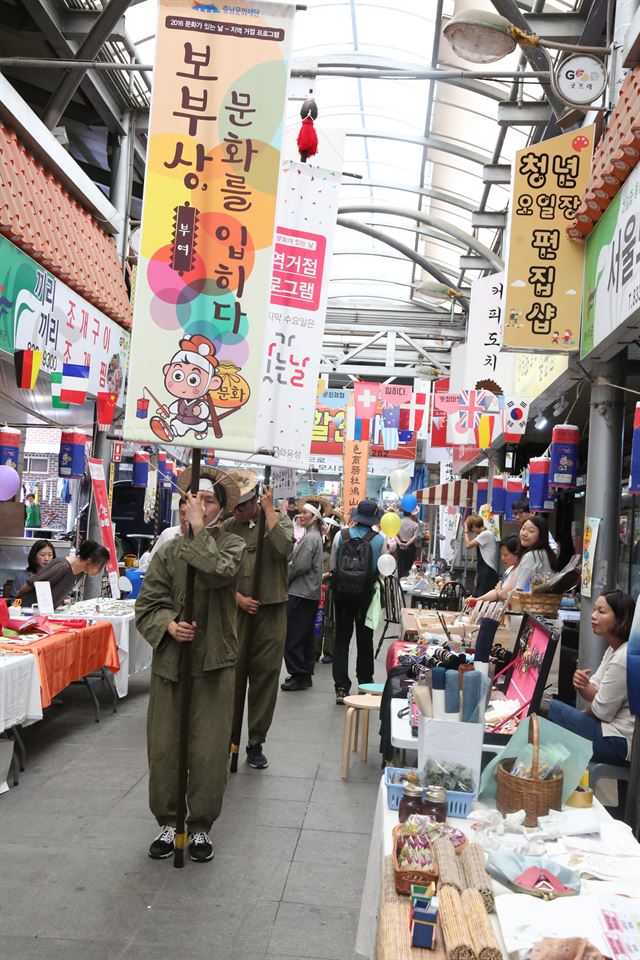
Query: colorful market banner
[40, 312]
[202, 291]
[485, 365]
[101, 504]
[383, 430]
[545, 266]
[589, 542]
[356, 461]
[611, 281]
[305, 225]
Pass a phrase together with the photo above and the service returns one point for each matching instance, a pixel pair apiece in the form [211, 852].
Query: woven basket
[545, 604]
[535, 796]
[403, 877]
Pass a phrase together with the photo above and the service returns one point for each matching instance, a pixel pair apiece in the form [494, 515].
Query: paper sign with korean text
[203, 284]
[377, 467]
[612, 276]
[283, 483]
[356, 458]
[305, 224]
[40, 312]
[545, 267]
[101, 504]
[395, 394]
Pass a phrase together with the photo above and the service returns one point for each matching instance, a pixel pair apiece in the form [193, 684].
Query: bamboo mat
[393, 941]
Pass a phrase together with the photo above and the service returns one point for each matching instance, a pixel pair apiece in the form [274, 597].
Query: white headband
[206, 485]
[314, 510]
[330, 522]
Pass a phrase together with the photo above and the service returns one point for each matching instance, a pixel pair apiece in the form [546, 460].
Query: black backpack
[353, 575]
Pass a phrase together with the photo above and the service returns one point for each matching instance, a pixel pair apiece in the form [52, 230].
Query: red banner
[101, 500]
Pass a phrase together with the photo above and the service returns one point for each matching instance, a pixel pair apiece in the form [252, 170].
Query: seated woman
[510, 557]
[63, 574]
[607, 721]
[536, 555]
[40, 555]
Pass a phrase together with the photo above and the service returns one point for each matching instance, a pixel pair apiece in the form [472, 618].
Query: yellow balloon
[390, 524]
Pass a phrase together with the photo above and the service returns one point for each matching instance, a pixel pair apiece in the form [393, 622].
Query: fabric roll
[452, 696]
[484, 639]
[470, 694]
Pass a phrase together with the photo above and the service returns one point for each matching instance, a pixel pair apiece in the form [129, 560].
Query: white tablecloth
[133, 650]
[19, 690]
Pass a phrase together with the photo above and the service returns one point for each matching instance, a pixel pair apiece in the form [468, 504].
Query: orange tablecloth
[71, 655]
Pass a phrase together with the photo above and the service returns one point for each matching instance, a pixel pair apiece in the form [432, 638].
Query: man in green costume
[216, 555]
[262, 622]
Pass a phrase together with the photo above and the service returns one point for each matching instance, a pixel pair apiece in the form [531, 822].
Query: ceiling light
[480, 36]
[560, 406]
[438, 292]
[541, 422]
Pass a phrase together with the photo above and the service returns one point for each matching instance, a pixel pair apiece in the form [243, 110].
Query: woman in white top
[510, 557]
[536, 556]
[607, 721]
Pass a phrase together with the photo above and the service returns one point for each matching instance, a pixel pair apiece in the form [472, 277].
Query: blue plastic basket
[458, 804]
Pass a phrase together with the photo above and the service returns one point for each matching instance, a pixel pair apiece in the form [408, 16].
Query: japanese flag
[516, 411]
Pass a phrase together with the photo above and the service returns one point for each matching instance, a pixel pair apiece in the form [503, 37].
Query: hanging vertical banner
[356, 464]
[439, 413]
[589, 541]
[545, 267]
[208, 219]
[305, 224]
[634, 479]
[485, 366]
[101, 502]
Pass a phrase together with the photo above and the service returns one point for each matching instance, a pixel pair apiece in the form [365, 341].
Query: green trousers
[208, 747]
[261, 639]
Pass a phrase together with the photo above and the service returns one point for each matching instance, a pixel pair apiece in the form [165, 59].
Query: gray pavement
[76, 882]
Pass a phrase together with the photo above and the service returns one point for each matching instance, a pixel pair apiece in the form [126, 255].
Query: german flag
[27, 365]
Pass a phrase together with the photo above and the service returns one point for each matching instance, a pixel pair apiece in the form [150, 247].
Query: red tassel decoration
[307, 139]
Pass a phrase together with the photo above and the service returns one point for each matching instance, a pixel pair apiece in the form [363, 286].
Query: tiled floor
[291, 846]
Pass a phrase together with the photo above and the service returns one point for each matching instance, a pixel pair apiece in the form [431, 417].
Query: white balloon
[387, 564]
[399, 481]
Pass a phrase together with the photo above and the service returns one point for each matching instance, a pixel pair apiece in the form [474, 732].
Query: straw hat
[247, 481]
[225, 480]
[325, 506]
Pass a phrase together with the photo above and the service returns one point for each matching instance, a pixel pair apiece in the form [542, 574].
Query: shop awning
[458, 493]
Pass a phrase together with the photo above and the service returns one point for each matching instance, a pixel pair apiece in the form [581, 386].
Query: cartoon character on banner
[491, 520]
[199, 382]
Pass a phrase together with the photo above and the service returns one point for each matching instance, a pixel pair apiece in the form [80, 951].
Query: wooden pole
[181, 837]
[242, 672]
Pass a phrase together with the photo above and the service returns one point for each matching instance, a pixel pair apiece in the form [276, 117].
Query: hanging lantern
[539, 482]
[71, 457]
[563, 471]
[9, 447]
[105, 408]
[164, 479]
[634, 480]
[140, 469]
[483, 494]
[498, 495]
[513, 492]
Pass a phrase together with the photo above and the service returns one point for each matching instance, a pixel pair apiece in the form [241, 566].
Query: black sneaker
[300, 682]
[327, 658]
[162, 846]
[341, 693]
[200, 847]
[255, 757]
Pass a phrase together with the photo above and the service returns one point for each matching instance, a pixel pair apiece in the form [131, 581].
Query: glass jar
[410, 801]
[435, 803]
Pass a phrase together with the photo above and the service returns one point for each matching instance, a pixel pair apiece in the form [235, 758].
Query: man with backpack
[354, 564]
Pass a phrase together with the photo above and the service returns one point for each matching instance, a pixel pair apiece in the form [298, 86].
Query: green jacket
[278, 544]
[217, 557]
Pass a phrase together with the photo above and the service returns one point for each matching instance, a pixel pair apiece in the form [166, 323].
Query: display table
[428, 597]
[380, 847]
[70, 655]
[133, 650]
[19, 690]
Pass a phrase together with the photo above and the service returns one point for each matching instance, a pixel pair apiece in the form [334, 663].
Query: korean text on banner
[545, 266]
[43, 313]
[356, 462]
[101, 500]
[207, 225]
[485, 366]
[305, 224]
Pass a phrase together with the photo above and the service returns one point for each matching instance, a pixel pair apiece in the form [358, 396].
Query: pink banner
[395, 395]
[101, 500]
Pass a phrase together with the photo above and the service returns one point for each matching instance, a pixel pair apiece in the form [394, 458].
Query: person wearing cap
[216, 554]
[262, 621]
[305, 589]
[352, 611]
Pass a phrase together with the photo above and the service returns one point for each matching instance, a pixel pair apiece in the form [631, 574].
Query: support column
[121, 176]
[604, 477]
[93, 585]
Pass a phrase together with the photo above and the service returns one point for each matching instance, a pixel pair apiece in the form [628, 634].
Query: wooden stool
[354, 705]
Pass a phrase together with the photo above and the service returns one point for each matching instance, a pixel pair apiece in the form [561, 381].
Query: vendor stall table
[70, 655]
[19, 689]
[134, 652]
[380, 847]
[426, 597]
